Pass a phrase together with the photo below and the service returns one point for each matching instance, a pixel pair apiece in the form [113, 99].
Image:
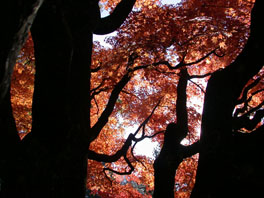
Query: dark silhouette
[172, 152]
[51, 161]
[224, 155]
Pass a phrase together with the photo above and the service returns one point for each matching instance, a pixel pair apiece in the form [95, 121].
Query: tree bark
[51, 161]
[16, 18]
[215, 174]
[172, 152]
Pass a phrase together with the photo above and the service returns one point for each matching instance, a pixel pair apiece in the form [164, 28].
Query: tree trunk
[16, 18]
[56, 148]
[172, 152]
[51, 161]
[215, 174]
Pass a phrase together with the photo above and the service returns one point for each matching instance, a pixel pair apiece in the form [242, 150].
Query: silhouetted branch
[200, 76]
[123, 151]
[245, 107]
[246, 90]
[182, 63]
[128, 93]
[140, 139]
[95, 101]
[147, 119]
[181, 108]
[130, 166]
[110, 106]
[98, 91]
[114, 21]
[218, 55]
[96, 69]
[179, 65]
[198, 86]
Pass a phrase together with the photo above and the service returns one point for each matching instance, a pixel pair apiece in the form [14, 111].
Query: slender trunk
[172, 152]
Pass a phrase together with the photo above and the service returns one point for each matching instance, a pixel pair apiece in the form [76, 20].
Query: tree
[133, 45]
[56, 149]
[137, 79]
[223, 91]
[172, 152]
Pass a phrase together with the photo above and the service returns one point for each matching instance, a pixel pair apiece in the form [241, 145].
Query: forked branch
[124, 150]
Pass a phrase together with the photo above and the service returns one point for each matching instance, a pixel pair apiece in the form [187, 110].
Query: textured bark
[216, 175]
[16, 18]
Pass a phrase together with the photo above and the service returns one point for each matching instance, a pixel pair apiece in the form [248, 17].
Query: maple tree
[136, 80]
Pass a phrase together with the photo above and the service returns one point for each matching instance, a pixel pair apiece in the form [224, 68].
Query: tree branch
[246, 90]
[181, 109]
[123, 151]
[114, 21]
[200, 76]
[96, 69]
[112, 158]
[131, 169]
[198, 86]
[110, 106]
[179, 65]
[188, 151]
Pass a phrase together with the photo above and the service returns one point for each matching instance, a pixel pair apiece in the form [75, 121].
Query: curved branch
[109, 107]
[123, 151]
[131, 169]
[179, 65]
[246, 90]
[200, 76]
[112, 158]
[197, 86]
[140, 139]
[182, 63]
[96, 69]
[114, 21]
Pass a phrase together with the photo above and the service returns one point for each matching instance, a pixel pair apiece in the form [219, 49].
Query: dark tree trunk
[51, 161]
[172, 152]
[57, 146]
[16, 18]
[9, 145]
[216, 173]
